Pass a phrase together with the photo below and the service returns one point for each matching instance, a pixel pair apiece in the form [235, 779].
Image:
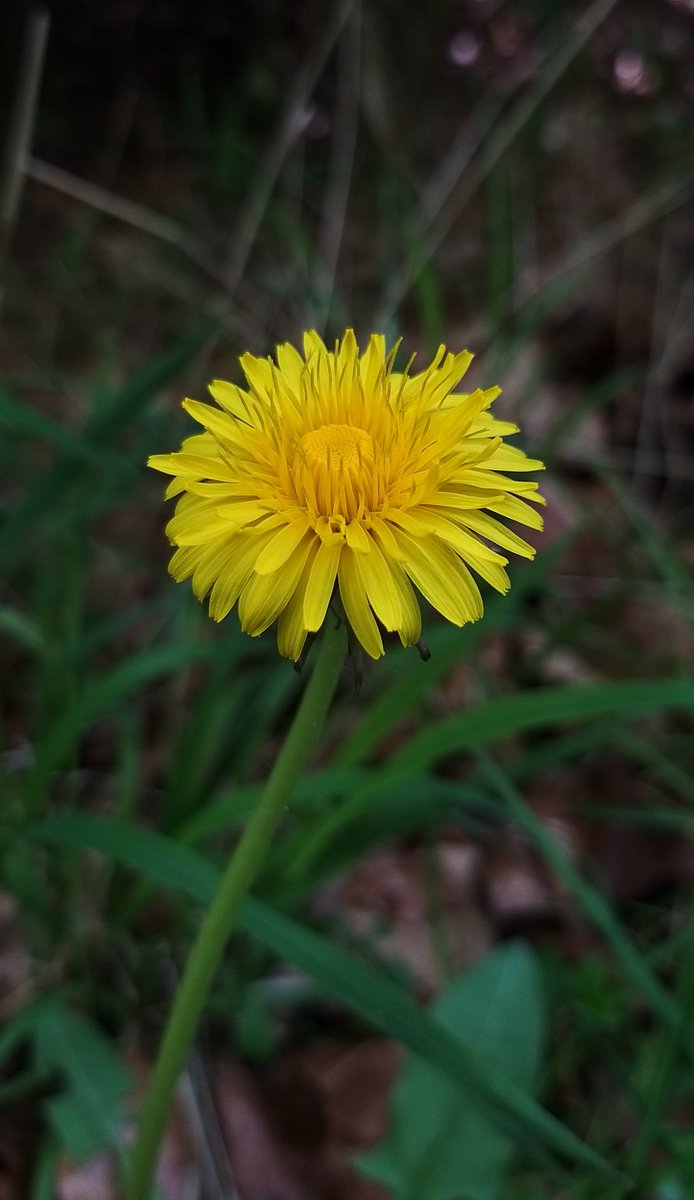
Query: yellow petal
[193, 525]
[184, 561]
[494, 574]
[518, 510]
[372, 363]
[410, 627]
[490, 528]
[414, 523]
[491, 427]
[241, 512]
[174, 488]
[219, 424]
[218, 491]
[463, 498]
[357, 538]
[377, 581]
[258, 372]
[510, 458]
[265, 596]
[233, 575]
[232, 399]
[194, 466]
[291, 630]
[347, 353]
[290, 365]
[313, 344]
[386, 539]
[356, 606]
[490, 480]
[441, 576]
[320, 584]
[281, 546]
[467, 545]
[212, 560]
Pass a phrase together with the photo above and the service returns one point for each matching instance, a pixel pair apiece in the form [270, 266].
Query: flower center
[337, 446]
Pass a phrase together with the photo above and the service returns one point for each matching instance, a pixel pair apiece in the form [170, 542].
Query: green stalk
[219, 920]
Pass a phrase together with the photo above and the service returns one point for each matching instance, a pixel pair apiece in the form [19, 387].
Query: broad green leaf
[86, 1115]
[337, 972]
[22, 1026]
[440, 1145]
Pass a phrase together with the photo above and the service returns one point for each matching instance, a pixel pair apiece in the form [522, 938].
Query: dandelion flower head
[332, 470]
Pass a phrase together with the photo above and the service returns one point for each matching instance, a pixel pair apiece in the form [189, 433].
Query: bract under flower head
[333, 469]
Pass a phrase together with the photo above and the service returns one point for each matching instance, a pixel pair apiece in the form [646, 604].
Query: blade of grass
[234, 715]
[22, 629]
[449, 646]
[493, 149]
[19, 123]
[596, 908]
[335, 201]
[481, 726]
[364, 989]
[368, 807]
[99, 697]
[665, 558]
[545, 707]
[17, 418]
[559, 275]
[263, 185]
[660, 765]
[112, 414]
[674, 1042]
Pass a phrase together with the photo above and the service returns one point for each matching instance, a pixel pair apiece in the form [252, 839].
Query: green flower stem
[219, 920]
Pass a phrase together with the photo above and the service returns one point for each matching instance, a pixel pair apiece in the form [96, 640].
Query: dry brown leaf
[265, 1166]
[16, 984]
[408, 908]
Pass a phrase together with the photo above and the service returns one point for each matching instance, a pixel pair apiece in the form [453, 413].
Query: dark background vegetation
[205, 178]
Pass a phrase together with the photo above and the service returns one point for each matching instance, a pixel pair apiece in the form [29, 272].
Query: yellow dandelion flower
[335, 470]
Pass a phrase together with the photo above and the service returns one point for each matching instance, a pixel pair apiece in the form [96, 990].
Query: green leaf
[481, 726]
[413, 680]
[595, 906]
[87, 1115]
[548, 706]
[18, 417]
[439, 1144]
[22, 1027]
[101, 696]
[20, 628]
[96, 458]
[338, 973]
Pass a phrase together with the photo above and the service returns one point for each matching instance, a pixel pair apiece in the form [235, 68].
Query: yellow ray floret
[333, 471]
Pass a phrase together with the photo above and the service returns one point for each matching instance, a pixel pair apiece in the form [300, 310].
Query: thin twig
[443, 181]
[21, 123]
[652, 415]
[125, 210]
[656, 202]
[342, 165]
[439, 223]
[289, 130]
[105, 201]
[216, 1172]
